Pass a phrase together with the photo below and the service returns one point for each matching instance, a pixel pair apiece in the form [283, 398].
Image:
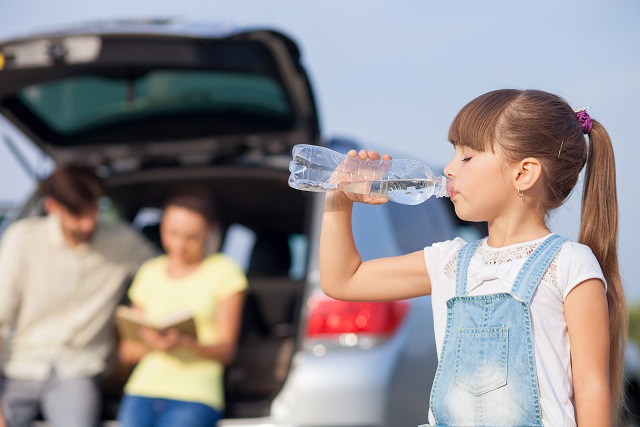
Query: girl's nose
[449, 170]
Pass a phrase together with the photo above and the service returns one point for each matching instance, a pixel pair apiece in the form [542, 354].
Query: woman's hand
[355, 174]
[228, 319]
[162, 341]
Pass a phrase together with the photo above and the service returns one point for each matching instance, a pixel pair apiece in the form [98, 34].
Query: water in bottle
[404, 181]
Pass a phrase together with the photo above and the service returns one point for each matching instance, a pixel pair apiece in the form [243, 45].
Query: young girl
[530, 328]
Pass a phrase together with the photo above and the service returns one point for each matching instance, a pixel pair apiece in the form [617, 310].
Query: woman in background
[178, 379]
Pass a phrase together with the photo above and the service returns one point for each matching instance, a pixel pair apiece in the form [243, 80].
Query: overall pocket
[481, 359]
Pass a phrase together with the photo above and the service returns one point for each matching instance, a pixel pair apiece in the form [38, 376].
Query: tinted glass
[81, 103]
[422, 225]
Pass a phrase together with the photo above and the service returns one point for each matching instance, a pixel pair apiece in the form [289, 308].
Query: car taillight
[331, 318]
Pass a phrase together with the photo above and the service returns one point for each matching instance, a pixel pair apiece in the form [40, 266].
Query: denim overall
[487, 373]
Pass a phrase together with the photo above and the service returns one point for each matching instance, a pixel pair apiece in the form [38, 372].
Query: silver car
[156, 104]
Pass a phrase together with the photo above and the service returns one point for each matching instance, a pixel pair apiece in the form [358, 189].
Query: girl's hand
[356, 173]
[161, 341]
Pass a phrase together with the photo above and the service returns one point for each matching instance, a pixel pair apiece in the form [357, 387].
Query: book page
[129, 321]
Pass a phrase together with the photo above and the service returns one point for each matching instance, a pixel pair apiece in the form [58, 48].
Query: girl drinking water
[530, 327]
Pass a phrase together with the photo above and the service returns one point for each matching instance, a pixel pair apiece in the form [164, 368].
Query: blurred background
[394, 74]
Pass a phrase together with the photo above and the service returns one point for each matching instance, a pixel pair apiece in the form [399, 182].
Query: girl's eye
[466, 159]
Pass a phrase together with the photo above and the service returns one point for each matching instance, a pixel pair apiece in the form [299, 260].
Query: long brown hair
[533, 123]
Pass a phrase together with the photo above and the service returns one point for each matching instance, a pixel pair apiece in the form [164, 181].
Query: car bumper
[341, 388]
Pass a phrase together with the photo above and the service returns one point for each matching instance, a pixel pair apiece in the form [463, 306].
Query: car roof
[150, 25]
[160, 85]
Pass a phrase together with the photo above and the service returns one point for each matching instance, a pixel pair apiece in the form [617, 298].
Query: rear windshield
[78, 104]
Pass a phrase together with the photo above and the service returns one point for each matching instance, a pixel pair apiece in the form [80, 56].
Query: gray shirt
[57, 301]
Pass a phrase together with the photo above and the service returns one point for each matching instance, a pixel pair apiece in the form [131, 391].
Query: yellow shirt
[182, 374]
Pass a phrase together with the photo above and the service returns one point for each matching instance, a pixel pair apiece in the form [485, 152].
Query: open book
[130, 320]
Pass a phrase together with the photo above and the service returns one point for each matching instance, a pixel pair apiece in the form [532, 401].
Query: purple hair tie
[584, 119]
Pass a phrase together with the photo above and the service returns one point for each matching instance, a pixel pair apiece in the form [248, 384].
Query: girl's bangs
[467, 129]
[476, 124]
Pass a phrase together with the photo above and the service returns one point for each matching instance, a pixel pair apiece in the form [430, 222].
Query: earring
[520, 194]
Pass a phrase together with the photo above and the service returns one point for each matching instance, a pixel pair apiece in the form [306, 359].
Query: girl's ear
[527, 173]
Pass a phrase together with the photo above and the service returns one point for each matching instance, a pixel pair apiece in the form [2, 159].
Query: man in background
[61, 277]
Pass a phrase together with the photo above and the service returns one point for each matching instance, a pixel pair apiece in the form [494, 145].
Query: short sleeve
[437, 255]
[577, 263]
[138, 290]
[234, 279]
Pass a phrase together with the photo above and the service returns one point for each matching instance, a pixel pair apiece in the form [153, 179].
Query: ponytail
[599, 231]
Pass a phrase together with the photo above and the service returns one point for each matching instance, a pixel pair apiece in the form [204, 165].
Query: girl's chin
[461, 214]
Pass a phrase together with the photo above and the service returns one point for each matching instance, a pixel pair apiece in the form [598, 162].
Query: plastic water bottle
[404, 181]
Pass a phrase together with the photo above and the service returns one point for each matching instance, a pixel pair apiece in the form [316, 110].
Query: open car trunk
[263, 227]
[159, 104]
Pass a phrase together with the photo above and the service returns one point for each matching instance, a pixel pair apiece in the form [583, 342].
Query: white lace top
[495, 257]
[494, 270]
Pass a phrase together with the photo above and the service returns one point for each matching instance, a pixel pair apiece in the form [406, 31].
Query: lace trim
[496, 257]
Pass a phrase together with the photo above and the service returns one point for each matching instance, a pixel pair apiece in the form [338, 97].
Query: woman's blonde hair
[533, 123]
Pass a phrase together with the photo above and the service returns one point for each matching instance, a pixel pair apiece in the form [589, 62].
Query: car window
[299, 245]
[395, 229]
[76, 104]
[422, 225]
[238, 243]
[373, 232]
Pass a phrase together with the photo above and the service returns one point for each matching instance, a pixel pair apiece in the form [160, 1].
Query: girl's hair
[532, 123]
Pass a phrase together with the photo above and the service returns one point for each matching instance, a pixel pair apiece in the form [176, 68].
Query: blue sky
[394, 74]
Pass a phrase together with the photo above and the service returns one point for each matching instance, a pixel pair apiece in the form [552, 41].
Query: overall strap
[534, 267]
[462, 266]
